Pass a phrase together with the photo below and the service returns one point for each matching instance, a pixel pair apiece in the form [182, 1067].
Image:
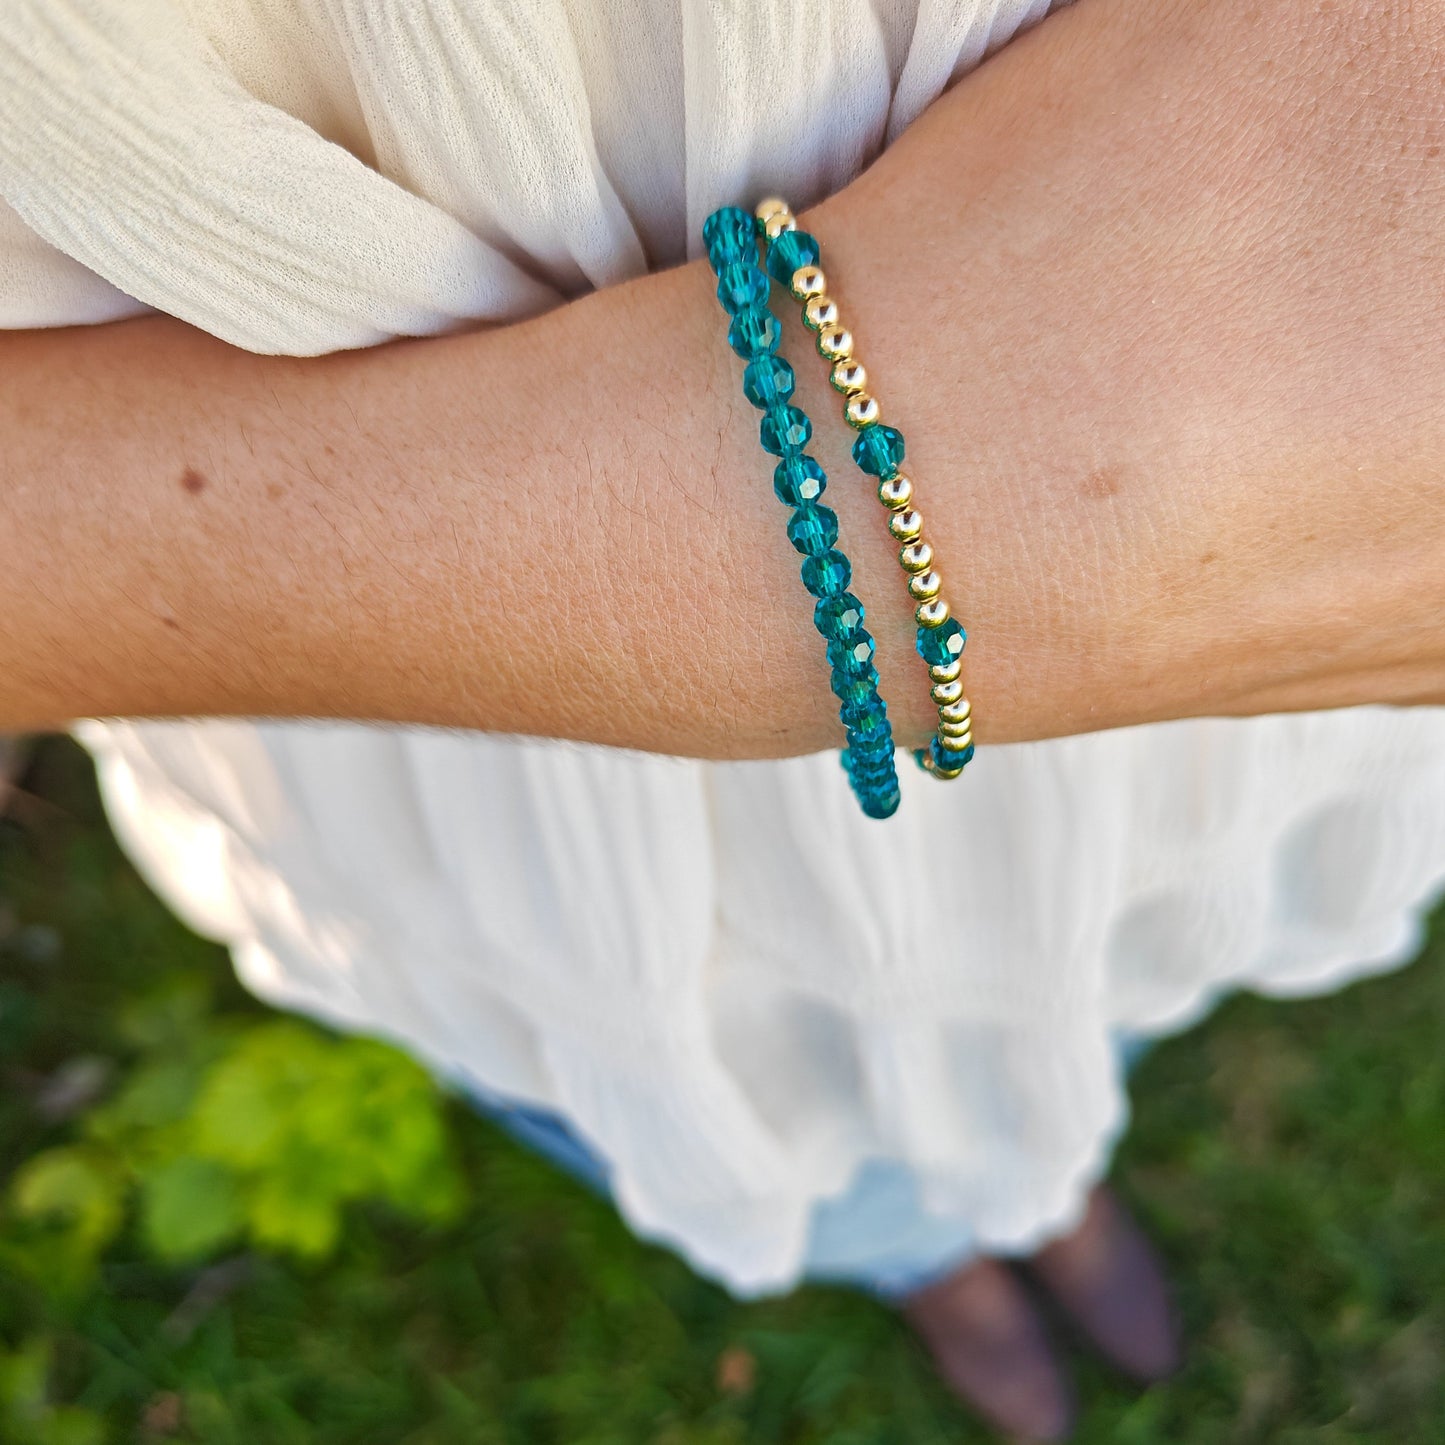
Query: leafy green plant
[258, 1135]
[70, 1202]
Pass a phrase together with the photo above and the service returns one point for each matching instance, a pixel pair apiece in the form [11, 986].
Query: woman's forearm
[563, 527]
[1154, 295]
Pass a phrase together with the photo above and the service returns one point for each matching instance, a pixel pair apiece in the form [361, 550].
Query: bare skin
[1155, 296]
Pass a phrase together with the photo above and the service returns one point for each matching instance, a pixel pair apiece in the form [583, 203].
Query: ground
[1290, 1158]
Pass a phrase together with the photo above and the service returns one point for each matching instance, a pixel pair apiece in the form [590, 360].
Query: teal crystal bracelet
[731, 240]
[793, 259]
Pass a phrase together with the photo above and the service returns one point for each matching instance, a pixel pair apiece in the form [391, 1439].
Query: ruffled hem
[703, 974]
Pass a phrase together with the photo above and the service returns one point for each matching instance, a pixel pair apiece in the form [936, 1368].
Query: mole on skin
[192, 481]
[1103, 482]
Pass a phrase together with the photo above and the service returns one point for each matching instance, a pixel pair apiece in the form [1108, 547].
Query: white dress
[691, 961]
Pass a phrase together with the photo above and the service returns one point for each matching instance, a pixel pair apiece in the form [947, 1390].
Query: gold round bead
[957, 744]
[947, 692]
[808, 281]
[862, 410]
[916, 557]
[777, 223]
[960, 714]
[933, 613]
[947, 774]
[947, 672]
[895, 492]
[906, 526]
[835, 342]
[765, 210]
[954, 730]
[923, 585]
[848, 377]
[820, 313]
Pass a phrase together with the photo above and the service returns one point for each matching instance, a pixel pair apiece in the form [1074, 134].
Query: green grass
[1289, 1157]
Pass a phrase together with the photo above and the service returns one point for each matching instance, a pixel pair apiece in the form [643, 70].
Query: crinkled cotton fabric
[696, 964]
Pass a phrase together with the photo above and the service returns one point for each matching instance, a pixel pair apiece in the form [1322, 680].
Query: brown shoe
[990, 1346]
[1111, 1283]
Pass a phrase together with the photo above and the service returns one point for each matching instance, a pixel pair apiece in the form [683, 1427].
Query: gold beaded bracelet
[792, 258]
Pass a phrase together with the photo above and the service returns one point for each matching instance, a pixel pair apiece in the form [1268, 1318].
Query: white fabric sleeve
[127, 147]
[40, 286]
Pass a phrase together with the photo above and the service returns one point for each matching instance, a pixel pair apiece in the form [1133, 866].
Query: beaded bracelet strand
[730, 238]
[793, 260]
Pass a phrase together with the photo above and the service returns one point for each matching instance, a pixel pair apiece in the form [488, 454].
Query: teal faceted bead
[938, 646]
[878, 449]
[741, 284]
[871, 772]
[852, 654]
[877, 773]
[882, 787]
[946, 760]
[768, 380]
[854, 688]
[867, 726]
[813, 529]
[873, 756]
[872, 746]
[869, 721]
[789, 251]
[840, 618]
[729, 236]
[754, 331]
[798, 480]
[874, 759]
[828, 574]
[868, 772]
[785, 430]
[881, 804]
